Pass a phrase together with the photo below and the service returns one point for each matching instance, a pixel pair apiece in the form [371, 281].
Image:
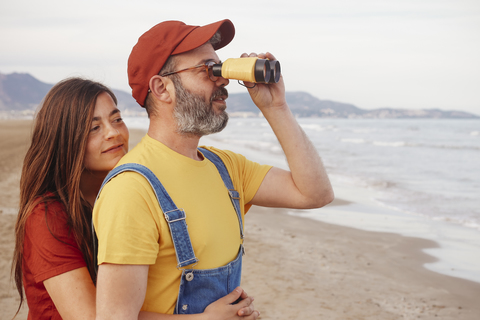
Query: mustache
[221, 92]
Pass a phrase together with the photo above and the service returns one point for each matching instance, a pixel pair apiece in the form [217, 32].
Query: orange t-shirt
[46, 255]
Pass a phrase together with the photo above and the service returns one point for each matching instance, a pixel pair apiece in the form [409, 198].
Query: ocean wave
[353, 140]
[447, 146]
[262, 146]
[390, 144]
[471, 222]
[463, 222]
[364, 130]
[364, 182]
[397, 144]
[313, 127]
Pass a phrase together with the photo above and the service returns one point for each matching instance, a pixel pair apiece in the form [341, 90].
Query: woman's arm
[73, 293]
[222, 309]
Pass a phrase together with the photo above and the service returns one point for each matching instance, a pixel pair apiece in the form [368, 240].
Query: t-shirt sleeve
[50, 250]
[125, 223]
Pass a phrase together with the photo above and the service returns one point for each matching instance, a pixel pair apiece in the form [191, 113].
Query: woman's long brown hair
[53, 166]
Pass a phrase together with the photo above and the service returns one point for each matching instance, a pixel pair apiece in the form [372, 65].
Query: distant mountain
[20, 94]
[21, 91]
[302, 104]
[305, 105]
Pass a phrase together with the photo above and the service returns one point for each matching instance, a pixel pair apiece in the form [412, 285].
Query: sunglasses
[208, 66]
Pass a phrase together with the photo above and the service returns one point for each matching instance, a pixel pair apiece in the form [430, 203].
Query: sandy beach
[296, 268]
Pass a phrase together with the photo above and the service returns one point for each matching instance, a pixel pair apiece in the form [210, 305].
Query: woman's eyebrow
[114, 111]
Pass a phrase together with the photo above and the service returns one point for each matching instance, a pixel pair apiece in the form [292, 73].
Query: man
[139, 259]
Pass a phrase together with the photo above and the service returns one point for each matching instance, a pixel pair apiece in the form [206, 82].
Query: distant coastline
[21, 93]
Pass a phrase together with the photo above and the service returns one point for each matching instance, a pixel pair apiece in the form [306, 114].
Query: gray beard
[194, 115]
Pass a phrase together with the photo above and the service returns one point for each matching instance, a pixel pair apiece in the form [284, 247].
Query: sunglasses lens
[209, 65]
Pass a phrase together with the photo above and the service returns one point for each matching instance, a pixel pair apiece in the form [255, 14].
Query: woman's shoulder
[47, 209]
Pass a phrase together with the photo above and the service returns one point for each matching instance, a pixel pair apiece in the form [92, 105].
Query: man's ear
[158, 87]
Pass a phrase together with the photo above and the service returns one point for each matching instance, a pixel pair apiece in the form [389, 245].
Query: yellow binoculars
[251, 69]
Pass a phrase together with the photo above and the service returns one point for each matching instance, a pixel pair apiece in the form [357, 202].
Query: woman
[69, 156]
[78, 137]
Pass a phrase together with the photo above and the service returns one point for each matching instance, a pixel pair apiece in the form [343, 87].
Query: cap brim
[201, 35]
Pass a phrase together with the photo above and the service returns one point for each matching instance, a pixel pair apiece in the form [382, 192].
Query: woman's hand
[223, 309]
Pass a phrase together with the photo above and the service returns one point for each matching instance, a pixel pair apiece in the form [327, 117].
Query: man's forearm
[306, 167]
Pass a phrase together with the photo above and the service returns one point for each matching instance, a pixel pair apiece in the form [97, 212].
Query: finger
[255, 314]
[244, 55]
[249, 85]
[262, 55]
[253, 54]
[270, 56]
[245, 302]
[246, 311]
[232, 296]
[244, 295]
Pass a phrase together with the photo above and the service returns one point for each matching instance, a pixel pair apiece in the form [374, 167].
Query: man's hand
[267, 96]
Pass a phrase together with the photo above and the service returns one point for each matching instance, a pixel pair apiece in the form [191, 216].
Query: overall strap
[234, 195]
[175, 217]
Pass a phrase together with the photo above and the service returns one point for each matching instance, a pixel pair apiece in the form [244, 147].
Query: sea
[415, 177]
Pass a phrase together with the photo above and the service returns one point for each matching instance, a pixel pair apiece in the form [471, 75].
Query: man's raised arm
[306, 185]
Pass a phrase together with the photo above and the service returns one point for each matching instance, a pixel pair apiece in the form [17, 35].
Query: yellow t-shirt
[131, 227]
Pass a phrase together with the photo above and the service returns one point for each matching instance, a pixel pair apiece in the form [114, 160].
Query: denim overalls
[198, 288]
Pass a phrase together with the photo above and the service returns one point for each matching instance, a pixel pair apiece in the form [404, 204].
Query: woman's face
[108, 138]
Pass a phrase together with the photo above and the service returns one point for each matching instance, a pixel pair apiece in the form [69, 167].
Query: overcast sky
[410, 54]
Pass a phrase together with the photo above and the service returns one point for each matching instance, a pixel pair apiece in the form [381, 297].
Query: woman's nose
[111, 132]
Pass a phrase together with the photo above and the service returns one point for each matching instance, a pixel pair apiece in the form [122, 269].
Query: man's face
[196, 116]
[200, 102]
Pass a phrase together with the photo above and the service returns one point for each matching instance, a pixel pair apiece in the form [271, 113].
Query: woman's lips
[114, 148]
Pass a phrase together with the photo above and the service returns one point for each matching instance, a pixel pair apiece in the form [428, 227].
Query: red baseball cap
[168, 38]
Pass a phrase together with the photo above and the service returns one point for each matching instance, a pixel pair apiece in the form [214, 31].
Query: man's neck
[184, 144]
